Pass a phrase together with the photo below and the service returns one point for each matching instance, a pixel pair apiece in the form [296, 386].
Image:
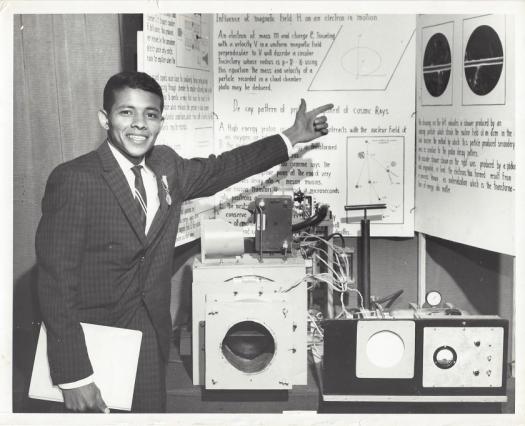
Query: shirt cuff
[78, 383]
[289, 146]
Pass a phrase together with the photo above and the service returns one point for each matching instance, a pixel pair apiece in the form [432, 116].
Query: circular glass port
[433, 298]
[385, 349]
[248, 346]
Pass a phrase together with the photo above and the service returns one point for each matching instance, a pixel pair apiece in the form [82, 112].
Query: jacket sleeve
[202, 177]
[59, 246]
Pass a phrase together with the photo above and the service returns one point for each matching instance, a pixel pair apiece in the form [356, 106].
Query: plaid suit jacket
[95, 263]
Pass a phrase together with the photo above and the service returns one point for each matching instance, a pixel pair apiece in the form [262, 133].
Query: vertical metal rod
[261, 233]
[421, 268]
[330, 260]
[364, 262]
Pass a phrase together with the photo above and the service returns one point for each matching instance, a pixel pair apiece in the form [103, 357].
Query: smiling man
[105, 242]
[132, 116]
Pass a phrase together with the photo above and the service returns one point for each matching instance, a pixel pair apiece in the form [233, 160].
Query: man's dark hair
[133, 80]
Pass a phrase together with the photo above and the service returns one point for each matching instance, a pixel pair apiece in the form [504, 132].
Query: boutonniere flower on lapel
[164, 181]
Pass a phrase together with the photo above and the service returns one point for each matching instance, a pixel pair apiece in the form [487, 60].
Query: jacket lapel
[160, 217]
[120, 187]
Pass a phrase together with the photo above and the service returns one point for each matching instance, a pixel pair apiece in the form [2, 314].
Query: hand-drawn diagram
[437, 64]
[193, 41]
[375, 174]
[362, 59]
[484, 60]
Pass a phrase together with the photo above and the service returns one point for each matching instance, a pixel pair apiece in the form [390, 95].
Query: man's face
[134, 121]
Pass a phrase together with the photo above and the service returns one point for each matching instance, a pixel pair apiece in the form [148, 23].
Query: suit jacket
[95, 263]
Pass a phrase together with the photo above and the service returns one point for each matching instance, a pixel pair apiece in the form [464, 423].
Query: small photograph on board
[484, 60]
[193, 36]
[437, 42]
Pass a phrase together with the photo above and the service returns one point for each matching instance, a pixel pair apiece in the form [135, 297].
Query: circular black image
[483, 60]
[437, 64]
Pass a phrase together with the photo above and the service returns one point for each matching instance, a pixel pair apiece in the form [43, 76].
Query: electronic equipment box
[249, 323]
[441, 358]
[273, 223]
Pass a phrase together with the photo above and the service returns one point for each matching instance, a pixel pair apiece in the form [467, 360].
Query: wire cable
[318, 217]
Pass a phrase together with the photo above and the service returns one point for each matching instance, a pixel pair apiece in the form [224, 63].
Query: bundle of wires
[338, 280]
[317, 336]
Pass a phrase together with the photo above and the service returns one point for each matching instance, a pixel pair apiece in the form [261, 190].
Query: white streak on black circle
[483, 60]
[437, 64]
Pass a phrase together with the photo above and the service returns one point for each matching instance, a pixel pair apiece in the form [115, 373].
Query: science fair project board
[232, 79]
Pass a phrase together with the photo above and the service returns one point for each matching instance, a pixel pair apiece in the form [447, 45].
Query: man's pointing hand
[308, 126]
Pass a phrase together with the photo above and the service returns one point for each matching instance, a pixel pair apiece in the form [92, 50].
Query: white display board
[465, 162]
[230, 79]
[266, 63]
[176, 52]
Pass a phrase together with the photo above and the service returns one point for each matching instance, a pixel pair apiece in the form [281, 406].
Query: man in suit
[106, 238]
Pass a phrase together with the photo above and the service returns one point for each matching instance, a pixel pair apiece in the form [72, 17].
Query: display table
[184, 397]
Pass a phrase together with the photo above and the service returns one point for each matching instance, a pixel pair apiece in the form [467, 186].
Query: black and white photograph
[437, 64]
[263, 213]
[484, 41]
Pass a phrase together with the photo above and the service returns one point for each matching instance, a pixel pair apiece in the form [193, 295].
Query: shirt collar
[124, 163]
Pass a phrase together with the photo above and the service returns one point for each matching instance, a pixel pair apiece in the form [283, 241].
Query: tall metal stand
[363, 273]
[363, 282]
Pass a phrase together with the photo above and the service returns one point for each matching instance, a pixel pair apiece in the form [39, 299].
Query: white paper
[114, 355]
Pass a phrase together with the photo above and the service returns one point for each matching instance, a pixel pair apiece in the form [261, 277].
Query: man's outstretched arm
[200, 177]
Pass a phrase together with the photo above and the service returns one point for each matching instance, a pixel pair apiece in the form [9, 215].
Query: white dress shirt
[149, 179]
[152, 195]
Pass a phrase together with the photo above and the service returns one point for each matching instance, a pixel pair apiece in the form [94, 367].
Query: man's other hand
[85, 398]
[308, 126]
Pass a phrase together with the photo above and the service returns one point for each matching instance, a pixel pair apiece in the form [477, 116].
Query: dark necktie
[140, 195]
